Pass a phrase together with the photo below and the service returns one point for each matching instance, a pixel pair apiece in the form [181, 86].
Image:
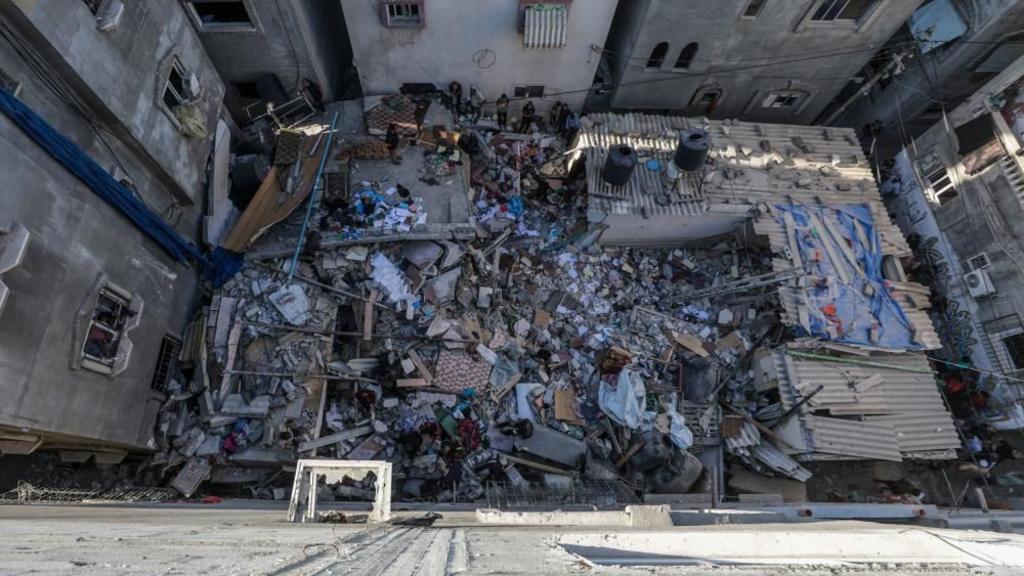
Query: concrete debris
[530, 355]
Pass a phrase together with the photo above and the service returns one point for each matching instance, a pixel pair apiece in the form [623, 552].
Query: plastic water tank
[619, 165]
[692, 150]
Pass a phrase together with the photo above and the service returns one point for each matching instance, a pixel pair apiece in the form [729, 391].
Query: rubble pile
[529, 357]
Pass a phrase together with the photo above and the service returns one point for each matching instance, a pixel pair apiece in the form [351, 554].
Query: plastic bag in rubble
[390, 277]
[623, 403]
[681, 435]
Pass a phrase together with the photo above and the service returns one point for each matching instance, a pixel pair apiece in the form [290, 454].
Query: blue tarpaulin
[218, 267]
[847, 311]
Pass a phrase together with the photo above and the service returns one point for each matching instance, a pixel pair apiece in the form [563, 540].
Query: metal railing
[26, 493]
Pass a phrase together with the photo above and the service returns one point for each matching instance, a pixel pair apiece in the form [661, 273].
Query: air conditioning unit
[979, 284]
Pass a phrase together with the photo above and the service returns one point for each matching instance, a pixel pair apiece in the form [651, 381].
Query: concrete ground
[247, 538]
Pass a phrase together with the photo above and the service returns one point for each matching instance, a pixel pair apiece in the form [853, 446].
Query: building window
[941, 184]
[247, 90]
[166, 361]
[220, 15]
[686, 56]
[174, 88]
[657, 55]
[93, 5]
[753, 8]
[103, 337]
[783, 100]
[402, 14]
[842, 9]
[979, 262]
[1015, 350]
[528, 92]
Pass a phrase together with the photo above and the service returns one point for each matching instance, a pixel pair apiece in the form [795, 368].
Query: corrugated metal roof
[904, 408]
[648, 191]
[853, 439]
[546, 26]
[749, 164]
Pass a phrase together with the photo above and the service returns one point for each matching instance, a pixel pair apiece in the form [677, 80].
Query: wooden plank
[504, 388]
[421, 366]
[335, 438]
[564, 401]
[691, 343]
[537, 465]
[368, 315]
[629, 454]
[270, 205]
[411, 382]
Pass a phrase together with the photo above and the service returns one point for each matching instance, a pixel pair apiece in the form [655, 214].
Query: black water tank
[692, 150]
[619, 165]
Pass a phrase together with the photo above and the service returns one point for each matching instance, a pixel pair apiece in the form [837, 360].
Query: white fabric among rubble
[390, 277]
[623, 403]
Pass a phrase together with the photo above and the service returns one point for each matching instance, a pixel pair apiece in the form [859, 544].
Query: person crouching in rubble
[502, 111]
[455, 95]
[392, 140]
[476, 103]
[527, 117]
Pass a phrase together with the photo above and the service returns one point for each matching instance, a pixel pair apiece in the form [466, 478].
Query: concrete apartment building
[292, 40]
[90, 303]
[946, 52]
[958, 193]
[526, 49]
[759, 60]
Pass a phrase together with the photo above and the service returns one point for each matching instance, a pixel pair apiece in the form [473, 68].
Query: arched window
[658, 55]
[686, 56]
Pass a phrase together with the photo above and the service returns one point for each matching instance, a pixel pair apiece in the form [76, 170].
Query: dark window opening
[105, 327]
[247, 90]
[753, 8]
[93, 5]
[686, 56]
[842, 9]
[658, 55]
[528, 92]
[1015, 348]
[174, 88]
[166, 362]
[710, 97]
[942, 184]
[785, 100]
[221, 13]
[403, 14]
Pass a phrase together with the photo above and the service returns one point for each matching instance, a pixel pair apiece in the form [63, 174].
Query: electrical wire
[52, 81]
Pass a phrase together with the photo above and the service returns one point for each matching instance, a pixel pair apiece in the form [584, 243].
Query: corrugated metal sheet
[546, 26]
[749, 164]
[853, 439]
[922, 432]
[905, 410]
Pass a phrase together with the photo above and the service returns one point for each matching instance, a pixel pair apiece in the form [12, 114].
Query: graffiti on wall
[955, 323]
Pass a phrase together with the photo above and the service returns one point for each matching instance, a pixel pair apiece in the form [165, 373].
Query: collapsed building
[661, 309]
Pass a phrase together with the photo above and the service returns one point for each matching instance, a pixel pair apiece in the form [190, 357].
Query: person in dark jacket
[392, 141]
[527, 114]
[455, 95]
[502, 107]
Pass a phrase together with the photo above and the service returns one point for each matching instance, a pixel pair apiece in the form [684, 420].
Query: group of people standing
[560, 118]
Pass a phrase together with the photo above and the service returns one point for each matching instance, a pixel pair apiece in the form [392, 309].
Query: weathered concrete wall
[734, 53]
[121, 74]
[942, 74]
[280, 42]
[456, 32]
[76, 237]
[986, 216]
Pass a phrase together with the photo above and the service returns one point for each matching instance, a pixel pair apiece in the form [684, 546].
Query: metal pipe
[312, 196]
